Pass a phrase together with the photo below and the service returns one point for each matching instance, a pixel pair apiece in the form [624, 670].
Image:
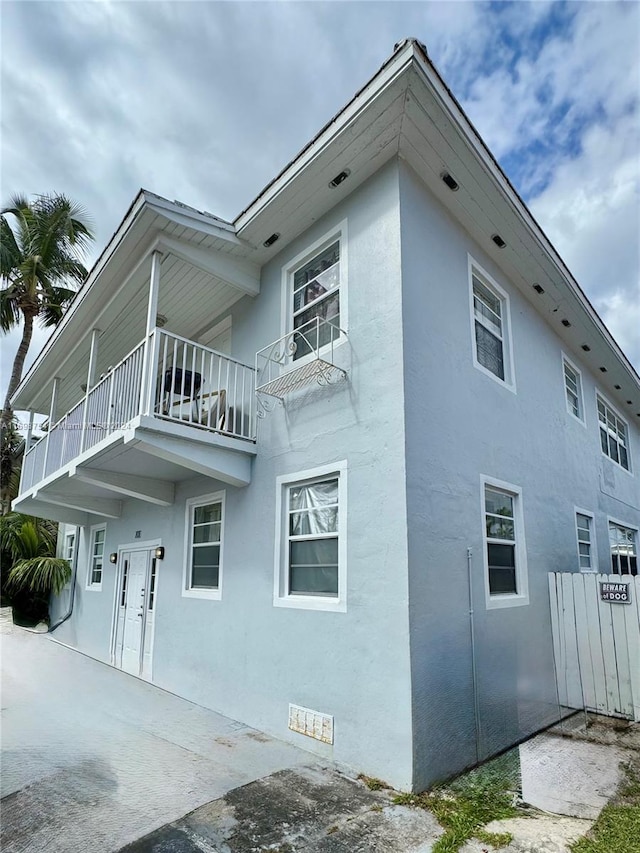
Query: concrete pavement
[94, 758]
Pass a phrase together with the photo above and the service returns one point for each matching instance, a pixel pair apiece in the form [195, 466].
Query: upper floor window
[310, 570]
[491, 339]
[573, 389]
[204, 546]
[624, 554]
[584, 532]
[96, 556]
[505, 554]
[613, 434]
[316, 294]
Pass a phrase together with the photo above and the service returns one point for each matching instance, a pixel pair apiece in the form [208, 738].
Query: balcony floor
[143, 462]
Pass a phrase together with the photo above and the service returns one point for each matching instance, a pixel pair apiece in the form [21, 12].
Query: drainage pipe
[474, 671]
[74, 573]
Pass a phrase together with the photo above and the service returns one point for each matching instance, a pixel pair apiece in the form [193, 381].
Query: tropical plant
[39, 575]
[40, 268]
[29, 545]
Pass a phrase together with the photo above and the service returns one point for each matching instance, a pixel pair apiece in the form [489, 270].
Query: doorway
[132, 649]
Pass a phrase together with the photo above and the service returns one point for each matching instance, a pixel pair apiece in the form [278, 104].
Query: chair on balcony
[180, 387]
[214, 410]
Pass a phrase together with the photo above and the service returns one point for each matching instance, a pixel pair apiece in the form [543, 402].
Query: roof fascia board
[455, 112]
[193, 219]
[384, 78]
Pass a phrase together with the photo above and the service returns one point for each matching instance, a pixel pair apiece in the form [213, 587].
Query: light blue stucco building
[313, 466]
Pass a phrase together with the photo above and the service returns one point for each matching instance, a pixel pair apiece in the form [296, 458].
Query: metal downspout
[476, 699]
[76, 546]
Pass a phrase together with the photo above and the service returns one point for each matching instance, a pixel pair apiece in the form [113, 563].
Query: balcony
[189, 406]
[305, 356]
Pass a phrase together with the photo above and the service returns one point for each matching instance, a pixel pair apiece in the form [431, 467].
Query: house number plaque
[615, 593]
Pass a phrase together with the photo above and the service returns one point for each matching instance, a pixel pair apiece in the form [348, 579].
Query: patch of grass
[373, 784]
[470, 802]
[617, 829]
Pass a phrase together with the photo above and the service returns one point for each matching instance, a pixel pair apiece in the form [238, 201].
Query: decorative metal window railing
[187, 383]
[302, 357]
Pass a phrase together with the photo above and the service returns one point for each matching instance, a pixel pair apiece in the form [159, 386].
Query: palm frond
[39, 575]
[9, 311]
[25, 537]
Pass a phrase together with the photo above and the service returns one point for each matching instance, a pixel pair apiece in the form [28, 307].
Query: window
[490, 323]
[573, 389]
[584, 525]
[204, 546]
[69, 547]
[624, 555]
[310, 560]
[505, 554]
[96, 556]
[315, 303]
[613, 434]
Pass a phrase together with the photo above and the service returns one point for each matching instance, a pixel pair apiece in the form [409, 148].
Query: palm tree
[11, 453]
[40, 268]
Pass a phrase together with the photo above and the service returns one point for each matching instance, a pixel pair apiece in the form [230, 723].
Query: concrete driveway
[94, 758]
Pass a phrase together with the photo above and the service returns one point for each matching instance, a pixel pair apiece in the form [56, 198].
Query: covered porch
[138, 381]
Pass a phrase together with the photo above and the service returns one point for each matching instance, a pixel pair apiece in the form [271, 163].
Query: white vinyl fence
[596, 644]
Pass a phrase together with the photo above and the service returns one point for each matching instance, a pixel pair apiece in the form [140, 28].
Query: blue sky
[205, 102]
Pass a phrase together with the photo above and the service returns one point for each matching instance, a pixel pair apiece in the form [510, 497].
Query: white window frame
[600, 397]
[73, 559]
[70, 534]
[581, 418]
[520, 598]
[96, 587]
[628, 526]
[340, 233]
[509, 381]
[281, 598]
[593, 554]
[190, 506]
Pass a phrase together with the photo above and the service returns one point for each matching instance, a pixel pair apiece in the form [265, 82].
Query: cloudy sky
[205, 101]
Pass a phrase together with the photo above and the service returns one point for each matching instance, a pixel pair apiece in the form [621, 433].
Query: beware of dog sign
[615, 593]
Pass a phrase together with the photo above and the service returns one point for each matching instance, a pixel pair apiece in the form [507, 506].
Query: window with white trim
[490, 328]
[204, 544]
[316, 300]
[505, 553]
[614, 439]
[310, 553]
[69, 547]
[624, 554]
[573, 390]
[96, 556]
[584, 524]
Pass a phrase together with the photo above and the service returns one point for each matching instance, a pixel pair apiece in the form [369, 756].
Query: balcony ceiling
[117, 306]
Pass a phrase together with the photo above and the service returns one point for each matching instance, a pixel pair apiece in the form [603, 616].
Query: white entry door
[134, 595]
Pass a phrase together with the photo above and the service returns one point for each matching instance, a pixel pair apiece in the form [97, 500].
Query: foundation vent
[311, 723]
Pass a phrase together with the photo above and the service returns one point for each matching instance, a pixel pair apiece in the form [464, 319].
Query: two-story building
[314, 465]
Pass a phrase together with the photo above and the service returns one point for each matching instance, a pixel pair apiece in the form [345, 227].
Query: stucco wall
[461, 424]
[241, 655]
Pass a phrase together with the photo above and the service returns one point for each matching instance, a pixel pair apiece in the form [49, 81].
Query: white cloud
[592, 216]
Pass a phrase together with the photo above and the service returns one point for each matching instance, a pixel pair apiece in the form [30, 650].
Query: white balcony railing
[187, 383]
[299, 358]
[202, 387]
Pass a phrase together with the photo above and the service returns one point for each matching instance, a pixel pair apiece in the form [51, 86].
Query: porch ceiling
[184, 290]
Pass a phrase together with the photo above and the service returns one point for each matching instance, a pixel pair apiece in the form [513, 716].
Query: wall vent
[311, 723]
